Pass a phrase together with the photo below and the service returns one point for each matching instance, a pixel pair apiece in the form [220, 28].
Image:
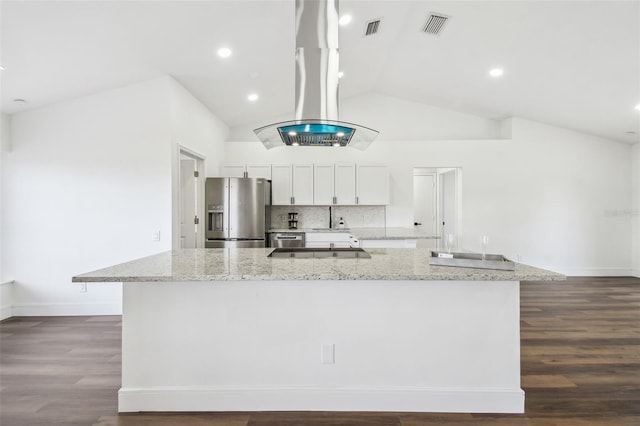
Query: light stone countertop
[232, 264]
[389, 233]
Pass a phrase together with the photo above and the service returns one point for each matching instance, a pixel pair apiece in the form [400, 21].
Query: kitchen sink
[322, 253]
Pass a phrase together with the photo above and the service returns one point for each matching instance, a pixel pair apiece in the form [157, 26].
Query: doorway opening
[188, 226]
[437, 203]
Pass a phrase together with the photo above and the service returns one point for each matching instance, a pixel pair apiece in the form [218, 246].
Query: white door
[424, 203]
[188, 203]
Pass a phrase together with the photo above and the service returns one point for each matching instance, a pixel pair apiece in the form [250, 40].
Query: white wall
[87, 183]
[545, 195]
[635, 211]
[194, 127]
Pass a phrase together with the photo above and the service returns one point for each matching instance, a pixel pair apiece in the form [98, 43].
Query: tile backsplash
[318, 216]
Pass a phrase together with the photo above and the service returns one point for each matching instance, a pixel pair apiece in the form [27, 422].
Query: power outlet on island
[83, 287]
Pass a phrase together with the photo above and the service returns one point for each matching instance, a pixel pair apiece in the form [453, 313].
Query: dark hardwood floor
[580, 366]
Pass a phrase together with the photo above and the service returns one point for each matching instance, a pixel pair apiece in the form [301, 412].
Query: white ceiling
[570, 63]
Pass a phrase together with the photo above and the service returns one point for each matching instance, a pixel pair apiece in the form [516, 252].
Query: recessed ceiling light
[496, 72]
[638, 107]
[345, 19]
[336, 144]
[252, 97]
[295, 144]
[292, 133]
[340, 74]
[340, 134]
[224, 52]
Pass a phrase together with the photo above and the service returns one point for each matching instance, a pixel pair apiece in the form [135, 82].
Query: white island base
[336, 345]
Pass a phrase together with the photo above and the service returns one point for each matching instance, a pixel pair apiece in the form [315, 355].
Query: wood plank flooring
[580, 366]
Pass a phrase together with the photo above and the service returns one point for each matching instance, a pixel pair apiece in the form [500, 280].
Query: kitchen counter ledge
[231, 264]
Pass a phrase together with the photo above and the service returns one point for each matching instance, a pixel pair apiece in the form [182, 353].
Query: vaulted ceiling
[575, 64]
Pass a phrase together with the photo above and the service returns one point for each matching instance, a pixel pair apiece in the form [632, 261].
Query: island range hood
[316, 61]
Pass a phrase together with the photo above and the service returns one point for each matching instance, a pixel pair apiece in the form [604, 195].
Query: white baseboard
[66, 309]
[6, 312]
[597, 272]
[6, 298]
[405, 399]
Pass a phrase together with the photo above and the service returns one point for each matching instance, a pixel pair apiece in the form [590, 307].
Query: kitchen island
[235, 330]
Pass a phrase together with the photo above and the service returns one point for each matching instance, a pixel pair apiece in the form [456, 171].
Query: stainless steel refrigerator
[238, 212]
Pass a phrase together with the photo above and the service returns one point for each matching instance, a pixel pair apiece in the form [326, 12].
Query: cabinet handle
[335, 200]
[357, 200]
[293, 200]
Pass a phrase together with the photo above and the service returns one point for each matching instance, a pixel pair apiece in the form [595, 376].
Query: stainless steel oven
[287, 239]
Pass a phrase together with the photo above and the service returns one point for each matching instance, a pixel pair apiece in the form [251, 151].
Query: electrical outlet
[83, 287]
[519, 257]
[328, 353]
[155, 236]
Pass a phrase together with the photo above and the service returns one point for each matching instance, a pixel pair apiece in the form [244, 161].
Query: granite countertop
[232, 264]
[388, 233]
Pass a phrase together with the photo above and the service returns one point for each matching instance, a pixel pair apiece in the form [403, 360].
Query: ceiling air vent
[372, 27]
[435, 23]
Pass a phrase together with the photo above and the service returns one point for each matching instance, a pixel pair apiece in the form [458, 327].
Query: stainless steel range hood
[317, 66]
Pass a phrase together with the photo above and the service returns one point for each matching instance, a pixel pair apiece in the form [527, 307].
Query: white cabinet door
[232, 170]
[323, 184]
[281, 184]
[246, 170]
[345, 184]
[259, 171]
[302, 184]
[372, 183]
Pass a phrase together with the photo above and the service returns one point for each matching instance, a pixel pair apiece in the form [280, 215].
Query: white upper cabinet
[259, 171]
[345, 186]
[323, 184]
[334, 184]
[302, 191]
[281, 188]
[292, 184]
[232, 170]
[372, 183]
[246, 170]
[319, 184]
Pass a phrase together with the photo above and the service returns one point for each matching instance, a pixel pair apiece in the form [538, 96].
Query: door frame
[438, 171]
[457, 202]
[200, 160]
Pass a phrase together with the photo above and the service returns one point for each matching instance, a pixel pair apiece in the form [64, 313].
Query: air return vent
[372, 27]
[435, 23]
